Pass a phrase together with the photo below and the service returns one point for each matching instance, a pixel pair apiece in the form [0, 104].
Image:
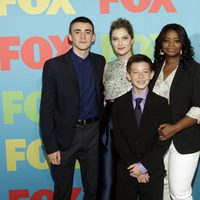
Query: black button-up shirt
[86, 82]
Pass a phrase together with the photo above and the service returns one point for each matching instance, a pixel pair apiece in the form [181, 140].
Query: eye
[125, 37]
[76, 32]
[177, 41]
[134, 72]
[114, 39]
[165, 40]
[88, 32]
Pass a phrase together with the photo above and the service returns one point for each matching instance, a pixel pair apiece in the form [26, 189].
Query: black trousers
[131, 190]
[85, 149]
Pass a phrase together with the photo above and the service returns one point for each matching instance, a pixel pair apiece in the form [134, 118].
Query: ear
[70, 37]
[152, 74]
[128, 76]
[93, 37]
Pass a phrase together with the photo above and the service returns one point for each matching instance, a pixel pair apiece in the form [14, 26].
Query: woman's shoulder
[157, 97]
[191, 63]
[195, 63]
[193, 66]
[116, 62]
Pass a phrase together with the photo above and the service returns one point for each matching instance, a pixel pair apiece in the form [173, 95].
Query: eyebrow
[84, 30]
[146, 68]
[172, 38]
[121, 36]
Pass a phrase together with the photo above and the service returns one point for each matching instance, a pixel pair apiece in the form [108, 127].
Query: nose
[119, 42]
[140, 75]
[171, 43]
[82, 35]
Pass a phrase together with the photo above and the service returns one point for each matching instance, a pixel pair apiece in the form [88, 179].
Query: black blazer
[184, 94]
[141, 144]
[59, 109]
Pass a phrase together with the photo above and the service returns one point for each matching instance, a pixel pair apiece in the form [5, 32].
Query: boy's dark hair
[121, 23]
[138, 58]
[81, 19]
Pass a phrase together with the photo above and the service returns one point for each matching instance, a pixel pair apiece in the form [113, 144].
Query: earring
[161, 52]
[181, 52]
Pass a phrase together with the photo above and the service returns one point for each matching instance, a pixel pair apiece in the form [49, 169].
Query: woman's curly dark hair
[187, 49]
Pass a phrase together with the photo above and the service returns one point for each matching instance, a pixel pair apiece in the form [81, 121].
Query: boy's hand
[134, 170]
[144, 178]
[54, 158]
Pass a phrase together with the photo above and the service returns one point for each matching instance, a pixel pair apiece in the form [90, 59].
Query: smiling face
[81, 36]
[171, 44]
[122, 43]
[140, 76]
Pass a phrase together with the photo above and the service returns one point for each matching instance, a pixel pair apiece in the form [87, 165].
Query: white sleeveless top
[116, 83]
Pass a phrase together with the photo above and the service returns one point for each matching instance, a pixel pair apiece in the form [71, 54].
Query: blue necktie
[138, 110]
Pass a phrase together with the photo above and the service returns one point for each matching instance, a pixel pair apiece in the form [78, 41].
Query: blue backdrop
[33, 31]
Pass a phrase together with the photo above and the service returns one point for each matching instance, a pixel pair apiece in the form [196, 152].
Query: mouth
[171, 50]
[121, 48]
[141, 82]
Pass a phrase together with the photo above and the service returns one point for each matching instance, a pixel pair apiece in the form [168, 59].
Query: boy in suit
[71, 105]
[136, 119]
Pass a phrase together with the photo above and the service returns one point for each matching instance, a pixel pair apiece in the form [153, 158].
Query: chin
[122, 54]
[83, 48]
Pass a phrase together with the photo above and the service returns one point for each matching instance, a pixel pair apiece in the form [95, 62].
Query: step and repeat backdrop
[32, 31]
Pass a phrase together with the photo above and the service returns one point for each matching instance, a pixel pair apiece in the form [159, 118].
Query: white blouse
[162, 88]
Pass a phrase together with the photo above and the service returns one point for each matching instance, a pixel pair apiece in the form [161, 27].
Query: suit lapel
[70, 70]
[147, 108]
[129, 110]
[176, 79]
[157, 72]
[95, 72]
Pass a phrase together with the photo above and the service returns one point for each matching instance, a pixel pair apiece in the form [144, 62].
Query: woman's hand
[166, 131]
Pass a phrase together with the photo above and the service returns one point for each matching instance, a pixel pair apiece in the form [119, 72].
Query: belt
[82, 122]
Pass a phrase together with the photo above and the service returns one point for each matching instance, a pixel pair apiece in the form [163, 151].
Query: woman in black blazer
[177, 77]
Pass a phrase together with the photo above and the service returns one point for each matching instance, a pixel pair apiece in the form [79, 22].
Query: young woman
[177, 77]
[116, 84]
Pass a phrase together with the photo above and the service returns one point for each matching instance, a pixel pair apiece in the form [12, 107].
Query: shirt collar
[77, 58]
[143, 96]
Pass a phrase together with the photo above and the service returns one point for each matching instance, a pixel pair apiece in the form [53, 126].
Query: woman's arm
[166, 131]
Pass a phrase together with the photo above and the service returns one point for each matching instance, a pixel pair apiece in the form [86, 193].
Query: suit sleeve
[156, 153]
[195, 80]
[47, 109]
[120, 143]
